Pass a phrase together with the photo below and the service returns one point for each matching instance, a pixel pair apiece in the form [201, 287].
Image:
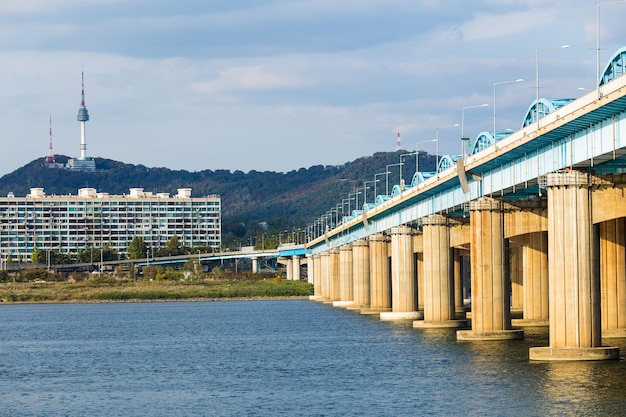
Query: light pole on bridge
[463, 138]
[519, 80]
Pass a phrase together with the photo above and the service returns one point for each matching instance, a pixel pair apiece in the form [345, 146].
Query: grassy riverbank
[102, 290]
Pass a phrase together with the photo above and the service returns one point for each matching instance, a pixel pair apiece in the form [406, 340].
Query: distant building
[72, 223]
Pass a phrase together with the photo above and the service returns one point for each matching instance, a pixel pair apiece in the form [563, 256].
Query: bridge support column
[535, 277]
[403, 278]
[314, 274]
[289, 268]
[575, 327]
[309, 268]
[346, 286]
[295, 275]
[516, 269]
[255, 265]
[361, 273]
[459, 305]
[439, 308]
[325, 279]
[333, 270]
[380, 287]
[613, 277]
[491, 313]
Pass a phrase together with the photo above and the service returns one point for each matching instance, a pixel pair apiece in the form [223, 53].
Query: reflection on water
[279, 358]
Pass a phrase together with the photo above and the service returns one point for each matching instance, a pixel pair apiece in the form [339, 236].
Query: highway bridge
[530, 221]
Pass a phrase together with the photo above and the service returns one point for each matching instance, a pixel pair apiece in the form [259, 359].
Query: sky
[279, 85]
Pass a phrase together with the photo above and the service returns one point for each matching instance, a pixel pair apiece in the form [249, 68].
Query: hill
[284, 200]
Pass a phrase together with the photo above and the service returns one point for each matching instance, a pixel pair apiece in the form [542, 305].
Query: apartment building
[72, 223]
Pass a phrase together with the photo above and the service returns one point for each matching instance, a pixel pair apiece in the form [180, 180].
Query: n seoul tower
[83, 116]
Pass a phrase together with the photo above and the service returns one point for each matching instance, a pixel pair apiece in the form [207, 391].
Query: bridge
[291, 255]
[530, 222]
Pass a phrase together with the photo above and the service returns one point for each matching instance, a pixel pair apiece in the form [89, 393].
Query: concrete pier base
[315, 297]
[445, 324]
[401, 315]
[530, 322]
[374, 311]
[342, 304]
[613, 333]
[573, 354]
[515, 334]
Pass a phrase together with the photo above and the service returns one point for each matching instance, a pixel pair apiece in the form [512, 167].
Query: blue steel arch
[615, 67]
[396, 190]
[381, 199]
[421, 177]
[485, 140]
[542, 107]
[446, 162]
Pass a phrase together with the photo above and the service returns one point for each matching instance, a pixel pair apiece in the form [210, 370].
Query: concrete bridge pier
[575, 326]
[314, 266]
[534, 255]
[516, 274]
[403, 278]
[288, 261]
[333, 271]
[325, 276]
[613, 277]
[439, 305]
[346, 284]
[459, 305]
[361, 273]
[380, 287]
[295, 263]
[491, 314]
[255, 265]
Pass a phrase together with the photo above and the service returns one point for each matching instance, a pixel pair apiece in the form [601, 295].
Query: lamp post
[537, 77]
[356, 198]
[606, 3]
[437, 152]
[463, 138]
[519, 80]
[366, 187]
[402, 156]
[387, 176]
[417, 153]
[377, 180]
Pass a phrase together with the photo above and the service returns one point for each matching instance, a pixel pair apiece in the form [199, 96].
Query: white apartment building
[72, 223]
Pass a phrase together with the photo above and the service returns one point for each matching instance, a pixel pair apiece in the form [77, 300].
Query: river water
[278, 358]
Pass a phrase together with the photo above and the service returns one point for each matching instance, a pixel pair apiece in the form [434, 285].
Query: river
[278, 358]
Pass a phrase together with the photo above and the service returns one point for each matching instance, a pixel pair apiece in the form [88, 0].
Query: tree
[137, 248]
[172, 248]
[37, 256]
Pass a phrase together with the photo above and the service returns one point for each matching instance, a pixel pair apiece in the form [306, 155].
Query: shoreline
[171, 300]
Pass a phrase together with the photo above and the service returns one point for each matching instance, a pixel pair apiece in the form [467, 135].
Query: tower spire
[83, 116]
[50, 158]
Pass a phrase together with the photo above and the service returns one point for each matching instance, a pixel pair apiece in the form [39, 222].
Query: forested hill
[289, 199]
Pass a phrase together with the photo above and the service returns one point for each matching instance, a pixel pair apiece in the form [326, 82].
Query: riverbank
[121, 290]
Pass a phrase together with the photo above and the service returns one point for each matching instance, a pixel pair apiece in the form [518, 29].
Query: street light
[519, 80]
[463, 138]
[387, 176]
[401, 178]
[376, 175]
[417, 153]
[537, 77]
[606, 3]
[437, 139]
[365, 189]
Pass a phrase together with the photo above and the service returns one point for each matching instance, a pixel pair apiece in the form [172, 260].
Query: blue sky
[274, 85]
